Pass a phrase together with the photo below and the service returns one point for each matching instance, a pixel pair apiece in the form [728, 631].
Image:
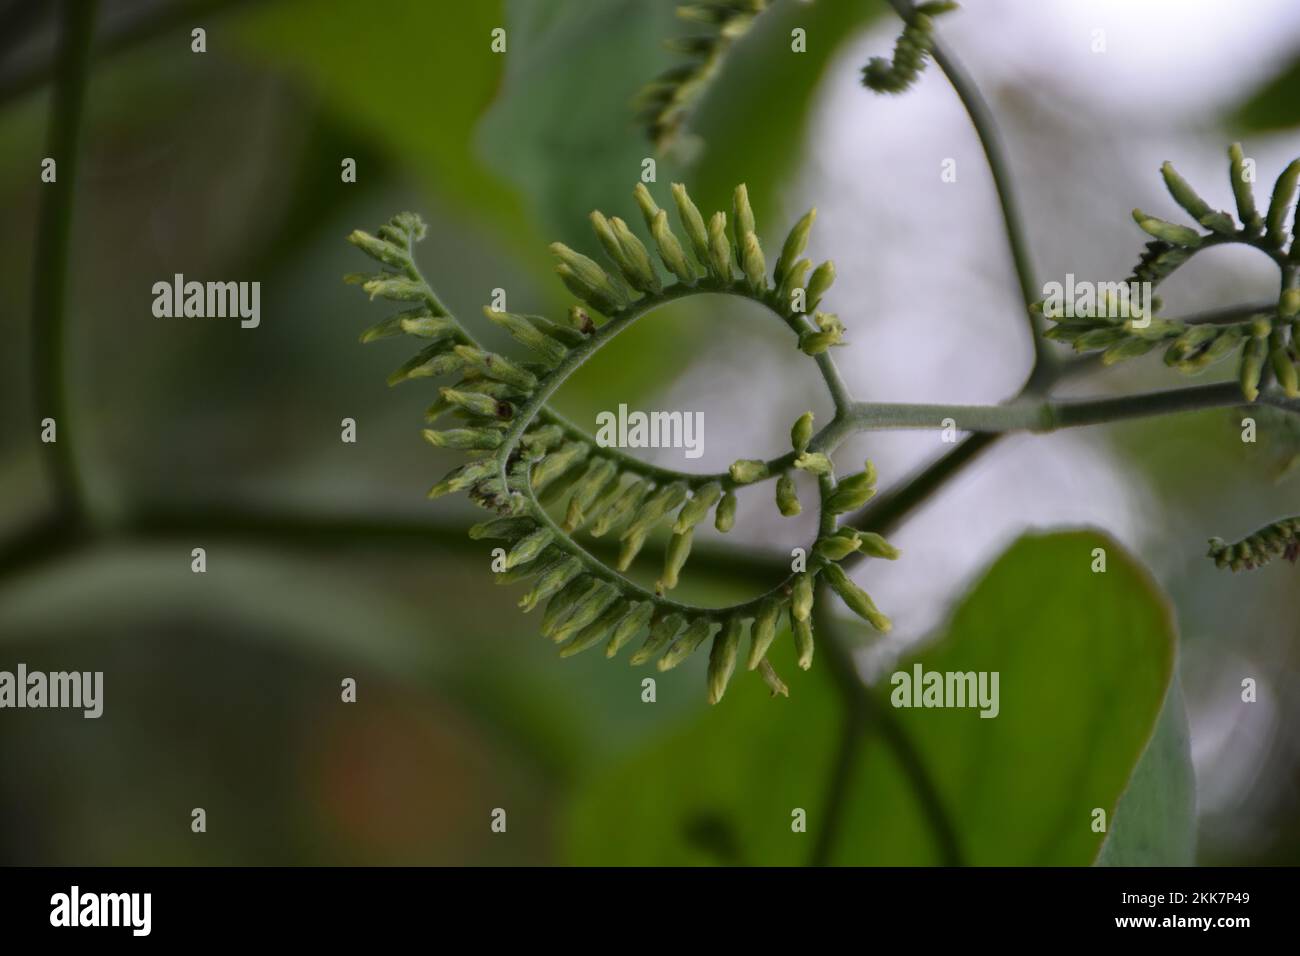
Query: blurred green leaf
[1275, 105]
[1084, 659]
[1155, 824]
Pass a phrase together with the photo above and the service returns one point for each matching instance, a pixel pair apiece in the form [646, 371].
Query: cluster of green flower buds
[1263, 342]
[665, 103]
[1281, 539]
[910, 52]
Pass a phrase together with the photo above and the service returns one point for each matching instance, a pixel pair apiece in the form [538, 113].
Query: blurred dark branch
[124, 33]
[50, 267]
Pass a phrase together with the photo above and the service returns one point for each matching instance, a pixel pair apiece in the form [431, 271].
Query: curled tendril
[547, 480]
[911, 51]
[1279, 539]
[1263, 341]
[666, 102]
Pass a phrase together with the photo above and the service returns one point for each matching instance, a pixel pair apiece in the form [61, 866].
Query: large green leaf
[1084, 661]
[1276, 104]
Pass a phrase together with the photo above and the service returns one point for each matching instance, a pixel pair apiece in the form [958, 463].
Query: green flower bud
[577, 591]
[1253, 358]
[787, 497]
[661, 633]
[815, 343]
[1242, 191]
[773, 680]
[802, 432]
[763, 631]
[540, 440]
[1126, 349]
[552, 581]
[724, 519]
[631, 542]
[394, 287]
[1100, 338]
[595, 632]
[1283, 367]
[852, 492]
[795, 243]
[670, 250]
[722, 657]
[876, 546]
[719, 248]
[621, 508]
[649, 210]
[580, 320]
[742, 217]
[641, 271]
[1283, 192]
[476, 403]
[835, 547]
[527, 335]
[693, 511]
[858, 601]
[1288, 304]
[748, 470]
[1197, 207]
[506, 529]
[1167, 231]
[660, 502]
[629, 627]
[801, 596]
[430, 362]
[458, 479]
[587, 611]
[468, 438]
[386, 252]
[679, 548]
[497, 367]
[529, 547]
[813, 462]
[558, 462]
[793, 279]
[696, 633]
[599, 473]
[803, 642]
[548, 559]
[753, 264]
[820, 281]
[692, 223]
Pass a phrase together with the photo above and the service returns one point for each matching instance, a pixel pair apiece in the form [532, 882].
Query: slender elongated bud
[679, 548]
[763, 631]
[430, 362]
[670, 250]
[467, 438]
[661, 634]
[1253, 358]
[598, 475]
[631, 541]
[553, 580]
[1279, 357]
[587, 611]
[506, 529]
[540, 440]
[577, 591]
[394, 287]
[458, 479]
[801, 596]
[621, 508]
[645, 202]
[696, 633]
[693, 511]
[1288, 304]
[803, 642]
[724, 519]
[497, 367]
[1242, 191]
[418, 322]
[641, 273]
[1196, 207]
[753, 264]
[836, 547]
[1167, 231]
[558, 462]
[858, 601]
[852, 492]
[601, 299]
[528, 335]
[1283, 193]
[380, 249]
[476, 403]
[529, 547]
[813, 462]
[748, 470]
[876, 546]
[692, 224]
[544, 562]
[580, 320]
[1127, 348]
[795, 243]
[773, 680]
[802, 432]
[819, 282]
[719, 248]
[722, 657]
[595, 632]
[629, 627]
[787, 497]
[792, 280]
[742, 216]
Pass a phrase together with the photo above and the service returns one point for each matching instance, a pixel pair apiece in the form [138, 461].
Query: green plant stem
[50, 268]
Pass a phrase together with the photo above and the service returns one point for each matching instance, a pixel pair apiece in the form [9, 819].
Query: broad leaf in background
[1085, 661]
[1275, 105]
